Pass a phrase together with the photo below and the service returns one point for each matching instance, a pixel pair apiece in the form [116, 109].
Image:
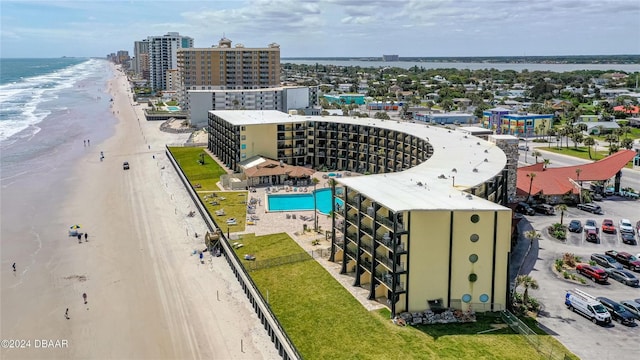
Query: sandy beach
[147, 295]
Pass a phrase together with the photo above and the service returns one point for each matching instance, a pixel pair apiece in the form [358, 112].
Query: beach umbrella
[76, 226]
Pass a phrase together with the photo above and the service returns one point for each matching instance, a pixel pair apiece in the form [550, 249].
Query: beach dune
[147, 296]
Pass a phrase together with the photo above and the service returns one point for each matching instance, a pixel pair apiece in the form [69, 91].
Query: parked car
[606, 261]
[125, 165]
[609, 191]
[632, 306]
[638, 227]
[625, 259]
[592, 237]
[625, 226]
[617, 311]
[575, 226]
[592, 208]
[593, 272]
[544, 209]
[608, 227]
[596, 197]
[591, 225]
[624, 276]
[524, 208]
[628, 238]
[629, 194]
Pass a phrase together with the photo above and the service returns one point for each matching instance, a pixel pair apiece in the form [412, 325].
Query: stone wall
[508, 144]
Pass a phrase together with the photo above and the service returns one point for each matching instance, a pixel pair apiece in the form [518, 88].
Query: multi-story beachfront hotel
[428, 226]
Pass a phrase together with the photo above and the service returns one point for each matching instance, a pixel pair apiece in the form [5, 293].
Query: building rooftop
[459, 162]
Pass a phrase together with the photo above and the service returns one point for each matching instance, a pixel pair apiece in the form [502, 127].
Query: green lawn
[234, 203]
[325, 321]
[581, 152]
[206, 175]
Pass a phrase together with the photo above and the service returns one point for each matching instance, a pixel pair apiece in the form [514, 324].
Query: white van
[587, 305]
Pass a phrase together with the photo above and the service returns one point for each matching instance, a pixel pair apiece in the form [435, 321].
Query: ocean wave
[23, 101]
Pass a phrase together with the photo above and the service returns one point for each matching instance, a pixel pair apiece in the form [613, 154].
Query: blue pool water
[173, 108]
[297, 201]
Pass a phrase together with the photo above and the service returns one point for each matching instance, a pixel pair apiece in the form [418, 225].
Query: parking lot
[585, 339]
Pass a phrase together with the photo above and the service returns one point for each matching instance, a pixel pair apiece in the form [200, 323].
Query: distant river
[628, 68]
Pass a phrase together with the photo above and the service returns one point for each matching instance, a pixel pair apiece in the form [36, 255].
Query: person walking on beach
[88, 142]
[85, 142]
[84, 296]
[14, 267]
[79, 238]
[66, 314]
[86, 235]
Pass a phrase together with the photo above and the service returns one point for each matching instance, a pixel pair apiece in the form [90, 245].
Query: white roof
[401, 191]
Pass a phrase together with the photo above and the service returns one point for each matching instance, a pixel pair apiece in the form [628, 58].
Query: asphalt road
[577, 333]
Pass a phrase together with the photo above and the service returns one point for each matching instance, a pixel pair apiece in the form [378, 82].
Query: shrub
[592, 263]
[583, 281]
[569, 259]
[559, 264]
[565, 274]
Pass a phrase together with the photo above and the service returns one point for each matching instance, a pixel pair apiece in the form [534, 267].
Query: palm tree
[551, 132]
[589, 142]
[536, 153]
[527, 282]
[532, 235]
[562, 208]
[532, 176]
[546, 163]
[315, 182]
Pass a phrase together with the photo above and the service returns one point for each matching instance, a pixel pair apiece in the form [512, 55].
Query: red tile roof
[632, 109]
[555, 181]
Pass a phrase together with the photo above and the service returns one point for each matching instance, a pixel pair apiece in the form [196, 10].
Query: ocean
[48, 108]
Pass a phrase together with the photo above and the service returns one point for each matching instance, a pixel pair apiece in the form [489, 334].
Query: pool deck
[277, 222]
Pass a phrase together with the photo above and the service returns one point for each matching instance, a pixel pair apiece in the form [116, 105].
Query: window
[473, 277]
[475, 218]
[473, 258]
[243, 128]
[243, 146]
[243, 137]
[474, 237]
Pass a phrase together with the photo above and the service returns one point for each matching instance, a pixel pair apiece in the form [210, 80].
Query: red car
[593, 272]
[608, 226]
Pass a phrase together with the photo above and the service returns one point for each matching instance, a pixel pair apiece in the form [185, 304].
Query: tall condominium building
[428, 226]
[141, 58]
[224, 67]
[163, 55]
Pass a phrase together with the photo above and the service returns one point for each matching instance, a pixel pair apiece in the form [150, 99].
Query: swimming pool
[298, 201]
[173, 108]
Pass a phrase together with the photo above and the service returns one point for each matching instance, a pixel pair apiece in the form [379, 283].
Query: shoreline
[146, 295]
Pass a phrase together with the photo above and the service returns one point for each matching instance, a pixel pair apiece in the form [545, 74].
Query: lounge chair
[220, 212]
[293, 216]
[288, 216]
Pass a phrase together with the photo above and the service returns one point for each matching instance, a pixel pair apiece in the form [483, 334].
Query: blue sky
[309, 28]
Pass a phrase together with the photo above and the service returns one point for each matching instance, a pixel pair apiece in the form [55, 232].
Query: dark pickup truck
[627, 260]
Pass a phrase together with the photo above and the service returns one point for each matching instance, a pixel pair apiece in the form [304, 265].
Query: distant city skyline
[328, 28]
